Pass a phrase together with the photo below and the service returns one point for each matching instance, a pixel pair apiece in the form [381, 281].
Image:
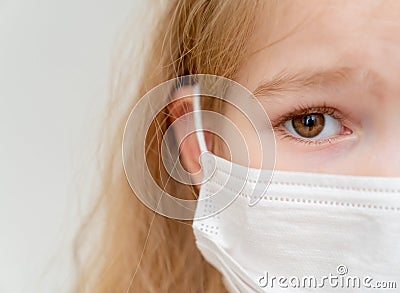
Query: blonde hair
[137, 250]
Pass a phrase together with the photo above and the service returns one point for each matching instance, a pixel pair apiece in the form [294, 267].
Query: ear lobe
[188, 145]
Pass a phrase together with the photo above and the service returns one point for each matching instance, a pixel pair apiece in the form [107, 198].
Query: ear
[189, 148]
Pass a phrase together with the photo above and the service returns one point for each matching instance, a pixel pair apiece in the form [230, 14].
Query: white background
[54, 73]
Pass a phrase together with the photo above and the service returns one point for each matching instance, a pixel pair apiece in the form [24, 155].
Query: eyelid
[304, 110]
[279, 127]
[286, 135]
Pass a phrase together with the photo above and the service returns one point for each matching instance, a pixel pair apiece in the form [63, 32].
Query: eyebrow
[316, 79]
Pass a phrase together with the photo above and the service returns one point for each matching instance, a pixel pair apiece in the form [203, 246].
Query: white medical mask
[338, 233]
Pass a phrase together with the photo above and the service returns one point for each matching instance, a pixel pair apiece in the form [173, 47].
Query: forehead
[324, 34]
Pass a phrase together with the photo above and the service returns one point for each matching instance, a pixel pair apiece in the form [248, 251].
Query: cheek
[243, 142]
[336, 158]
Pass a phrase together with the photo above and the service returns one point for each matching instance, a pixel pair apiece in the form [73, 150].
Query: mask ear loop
[198, 124]
[210, 167]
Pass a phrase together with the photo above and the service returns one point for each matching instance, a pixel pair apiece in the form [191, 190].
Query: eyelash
[278, 125]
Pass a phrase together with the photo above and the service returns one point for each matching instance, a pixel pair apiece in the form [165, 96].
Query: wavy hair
[122, 245]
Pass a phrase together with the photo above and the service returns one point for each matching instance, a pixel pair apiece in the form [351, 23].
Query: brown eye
[309, 125]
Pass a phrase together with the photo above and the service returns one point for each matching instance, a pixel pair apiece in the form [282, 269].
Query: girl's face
[328, 75]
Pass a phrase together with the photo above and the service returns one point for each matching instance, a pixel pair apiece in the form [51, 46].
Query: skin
[361, 36]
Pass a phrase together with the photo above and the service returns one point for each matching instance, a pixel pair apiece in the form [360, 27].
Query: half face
[327, 74]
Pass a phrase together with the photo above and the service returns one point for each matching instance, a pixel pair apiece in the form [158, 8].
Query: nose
[383, 161]
[381, 149]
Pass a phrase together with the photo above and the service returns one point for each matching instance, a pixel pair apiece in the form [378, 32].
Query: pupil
[309, 125]
[309, 120]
